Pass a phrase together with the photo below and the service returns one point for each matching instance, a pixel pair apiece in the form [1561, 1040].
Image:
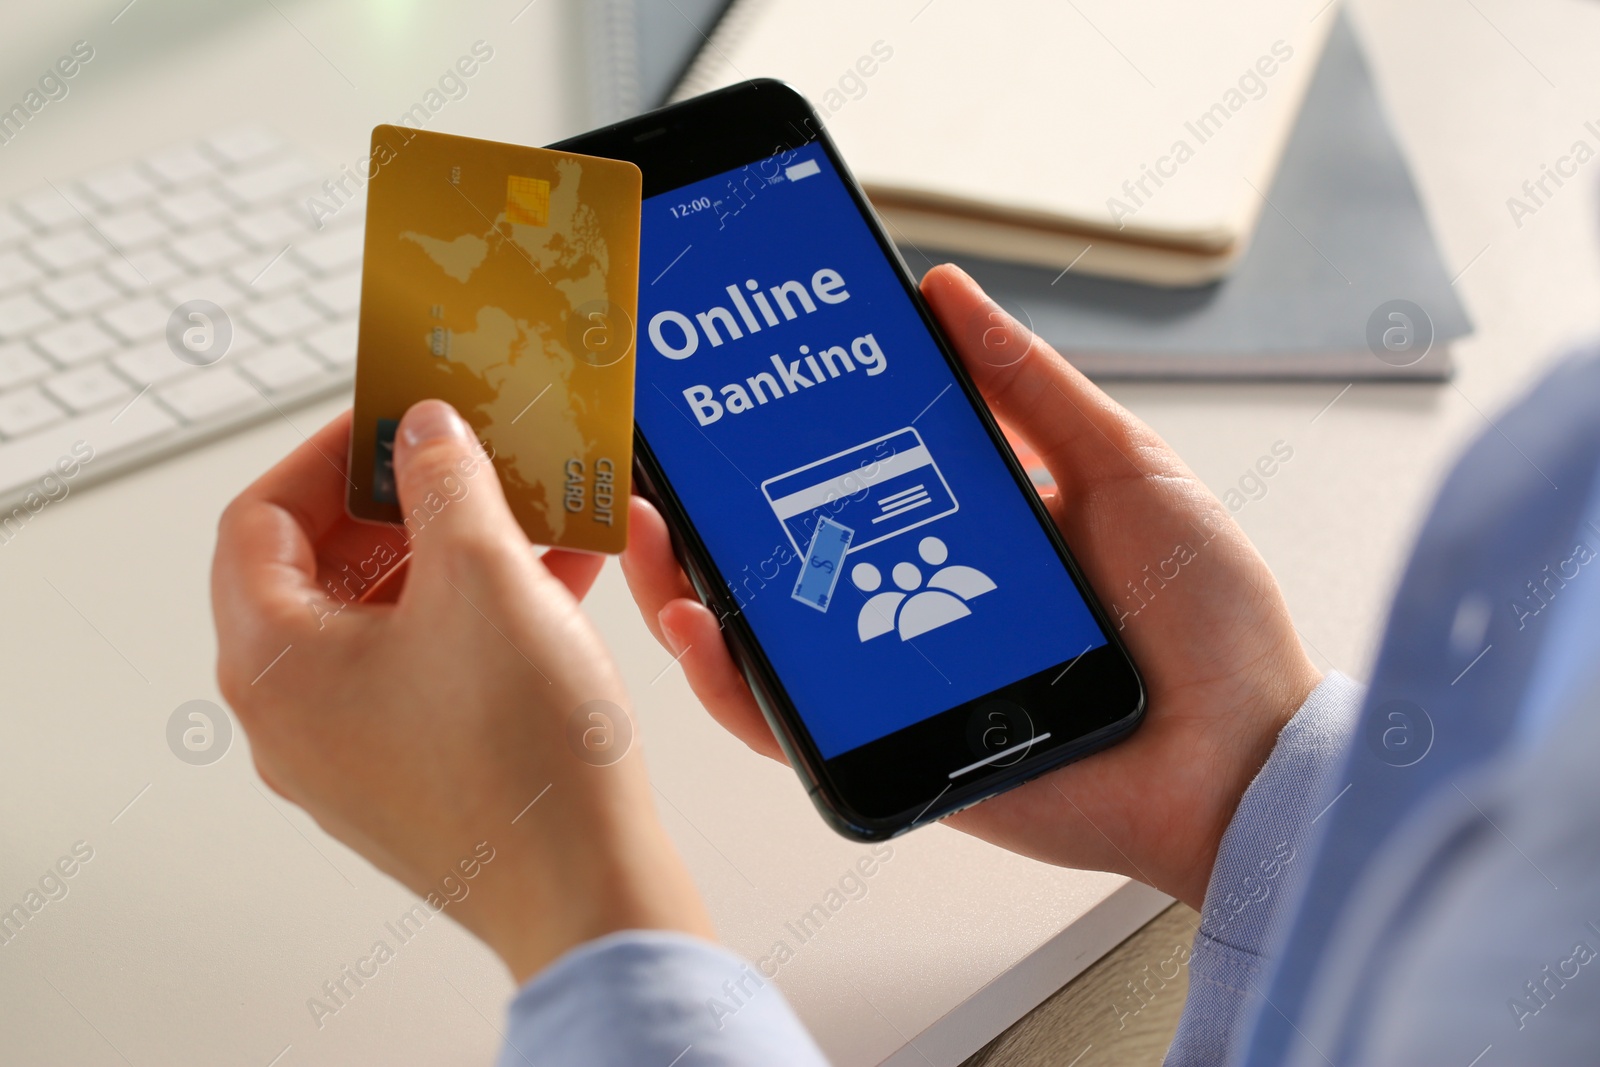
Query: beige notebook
[1136, 141]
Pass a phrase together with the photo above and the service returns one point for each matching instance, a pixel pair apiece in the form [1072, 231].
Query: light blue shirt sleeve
[1254, 882]
[643, 997]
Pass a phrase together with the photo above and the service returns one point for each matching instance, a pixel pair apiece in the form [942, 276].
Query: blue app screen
[864, 522]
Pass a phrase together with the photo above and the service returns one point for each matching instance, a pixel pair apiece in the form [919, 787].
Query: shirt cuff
[652, 997]
[1256, 878]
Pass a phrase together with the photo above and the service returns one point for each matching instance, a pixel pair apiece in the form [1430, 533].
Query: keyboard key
[352, 208]
[151, 363]
[246, 340]
[73, 294]
[68, 248]
[88, 387]
[261, 184]
[17, 270]
[325, 216]
[26, 410]
[21, 313]
[283, 318]
[46, 208]
[208, 248]
[138, 271]
[330, 251]
[11, 227]
[268, 275]
[128, 229]
[19, 364]
[282, 367]
[138, 319]
[179, 164]
[339, 295]
[75, 342]
[336, 343]
[217, 288]
[244, 143]
[24, 462]
[210, 394]
[193, 207]
[274, 226]
[118, 186]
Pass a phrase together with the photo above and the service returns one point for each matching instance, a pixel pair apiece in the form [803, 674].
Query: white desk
[211, 911]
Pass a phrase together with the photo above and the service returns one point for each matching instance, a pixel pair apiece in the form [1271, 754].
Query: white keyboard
[92, 269]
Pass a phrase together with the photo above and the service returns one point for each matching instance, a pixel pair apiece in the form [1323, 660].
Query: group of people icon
[913, 609]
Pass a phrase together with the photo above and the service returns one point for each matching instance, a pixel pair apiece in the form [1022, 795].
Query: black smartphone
[891, 586]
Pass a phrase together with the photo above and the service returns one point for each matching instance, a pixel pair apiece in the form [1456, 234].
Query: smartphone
[904, 610]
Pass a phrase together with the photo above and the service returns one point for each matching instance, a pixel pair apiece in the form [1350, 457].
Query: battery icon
[802, 170]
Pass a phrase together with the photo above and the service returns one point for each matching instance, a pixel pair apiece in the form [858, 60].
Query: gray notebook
[1342, 267]
[1342, 278]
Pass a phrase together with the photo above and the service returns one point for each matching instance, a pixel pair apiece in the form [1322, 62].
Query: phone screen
[865, 523]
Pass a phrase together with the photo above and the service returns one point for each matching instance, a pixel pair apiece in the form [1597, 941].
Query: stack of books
[1169, 189]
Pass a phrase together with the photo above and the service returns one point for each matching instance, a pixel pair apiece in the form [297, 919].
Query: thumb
[1083, 436]
[450, 496]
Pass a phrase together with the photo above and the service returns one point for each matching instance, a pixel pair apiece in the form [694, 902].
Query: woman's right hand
[421, 716]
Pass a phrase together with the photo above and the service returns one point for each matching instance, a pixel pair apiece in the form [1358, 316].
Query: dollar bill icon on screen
[879, 489]
[824, 562]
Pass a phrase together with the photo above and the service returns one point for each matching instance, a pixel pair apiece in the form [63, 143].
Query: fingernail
[432, 420]
[674, 642]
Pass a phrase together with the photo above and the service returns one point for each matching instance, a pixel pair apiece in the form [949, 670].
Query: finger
[575, 570]
[690, 632]
[449, 493]
[264, 573]
[652, 570]
[1083, 436]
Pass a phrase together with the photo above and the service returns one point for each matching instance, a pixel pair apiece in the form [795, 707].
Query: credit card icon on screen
[879, 488]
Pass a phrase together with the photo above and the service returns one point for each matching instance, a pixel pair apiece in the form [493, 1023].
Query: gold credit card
[505, 280]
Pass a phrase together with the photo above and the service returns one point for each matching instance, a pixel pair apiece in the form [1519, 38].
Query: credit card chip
[527, 201]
